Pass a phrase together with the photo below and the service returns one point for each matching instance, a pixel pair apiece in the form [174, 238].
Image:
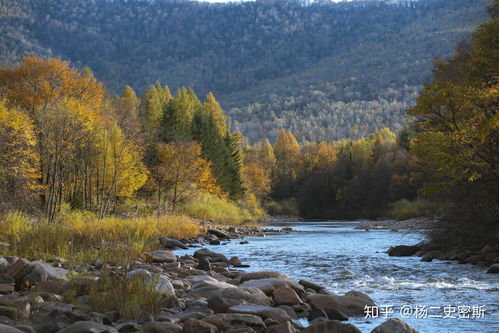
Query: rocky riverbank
[487, 257]
[415, 224]
[202, 292]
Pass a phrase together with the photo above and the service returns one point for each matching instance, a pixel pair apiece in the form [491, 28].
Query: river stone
[160, 327]
[9, 329]
[282, 328]
[204, 264]
[394, 325]
[276, 314]
[6, 288]
[27, 274]
[494, 269]
[235, 261]
[226, 321]
[262, 275]
[285, 296]
[349, 305]
[266, 285]
[403, 250]
[172, 244]
[359, 294]
[220, 234]
[311, 285]
[88, 327]
[198, 326]
[331, 326]
[164, 286]
[429, 256]
[212, 256]
[160, 256]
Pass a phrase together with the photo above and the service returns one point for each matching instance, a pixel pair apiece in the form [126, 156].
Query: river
[342, 258]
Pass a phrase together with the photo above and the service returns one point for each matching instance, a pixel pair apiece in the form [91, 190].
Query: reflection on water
[343, 258]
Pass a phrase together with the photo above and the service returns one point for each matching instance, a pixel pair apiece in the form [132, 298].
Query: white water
[343, 258]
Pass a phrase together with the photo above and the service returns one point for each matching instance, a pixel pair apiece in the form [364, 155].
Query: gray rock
[88, 327]
[394, 325]
[359, 294]
[9, 329]
[331, 326]
[198, 326]
[161, 256]
[266, 285]
[204, 264]
[212, 256]
[285, 296]
[276, 314]
[282, 328]
[403, 250]
[235, 261]
[349, 305]
[160, 327]
[172, 244]
[225, 321]
[220, 234]
[262, 275]
[311, 285]
[494, 269]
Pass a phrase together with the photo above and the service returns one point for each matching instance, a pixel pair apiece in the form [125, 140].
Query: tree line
[66, 139]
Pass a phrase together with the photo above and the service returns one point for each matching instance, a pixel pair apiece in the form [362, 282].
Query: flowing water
[342, 258]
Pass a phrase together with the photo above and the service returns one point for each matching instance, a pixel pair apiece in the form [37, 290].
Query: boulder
[235, 261]
[59, 319]
[164, 286]
[276, 314]
[198, 326]
[88, 327]
[160, 327]
[6, 288]
[285, 296]
[9, 329]
[282, 328]
[212, 256]
[394, 325]
[219, 233]
[349, 305]
[311, 285]
[331, 326]
[225, 321]
[403, 250]
[228, 297]
[359, 294]
[172, 244]
[494, 269]
[27, 274]
[266, 285]
[160, 256]
[204, 264]
[262, 275]
[429, 256]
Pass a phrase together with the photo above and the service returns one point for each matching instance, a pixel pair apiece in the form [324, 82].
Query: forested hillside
[324, 71]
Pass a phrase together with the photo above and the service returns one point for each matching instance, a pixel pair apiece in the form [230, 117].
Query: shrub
[285, 207]
[210, 207]
[405, 209]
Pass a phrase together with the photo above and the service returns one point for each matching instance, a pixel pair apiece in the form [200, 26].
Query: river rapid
[342, 258]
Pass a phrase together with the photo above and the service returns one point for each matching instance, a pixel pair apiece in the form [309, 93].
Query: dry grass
[133, 298]
[80, 237]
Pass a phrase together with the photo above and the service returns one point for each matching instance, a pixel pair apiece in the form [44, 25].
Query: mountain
[325, 70]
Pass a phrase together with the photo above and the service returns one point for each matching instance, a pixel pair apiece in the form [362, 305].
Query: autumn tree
[180, 172]
[63, 106]
[18, 165]
[286, 150]
[456, 134]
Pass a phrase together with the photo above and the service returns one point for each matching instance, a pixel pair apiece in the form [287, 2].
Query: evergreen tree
[178, 115]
